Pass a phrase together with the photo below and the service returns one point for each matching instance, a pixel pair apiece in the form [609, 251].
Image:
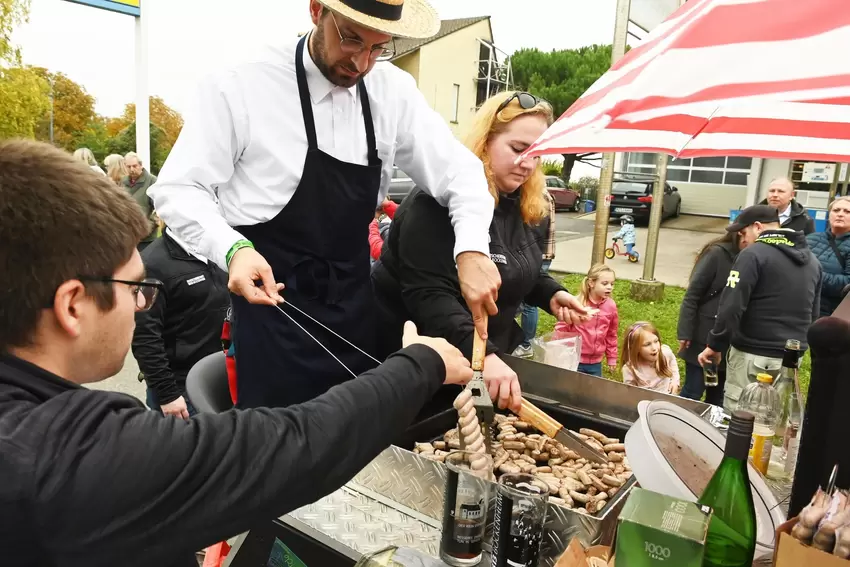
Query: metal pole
[606, 177]
[655, 217]
[51, 109]
[143, 129]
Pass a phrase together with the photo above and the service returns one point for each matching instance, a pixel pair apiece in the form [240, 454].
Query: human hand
[612, 368]
[248, 266]
[566, 307]
[177, 408]
[479, 284]
[684, 345]
[502, 383]
[458, 370]
[708, 355]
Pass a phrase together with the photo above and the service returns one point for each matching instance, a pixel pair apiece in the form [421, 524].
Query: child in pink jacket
[599, 334]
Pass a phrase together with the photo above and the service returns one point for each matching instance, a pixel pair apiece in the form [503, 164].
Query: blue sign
[129, 7]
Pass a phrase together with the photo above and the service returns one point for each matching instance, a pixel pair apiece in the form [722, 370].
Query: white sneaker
[523, 352]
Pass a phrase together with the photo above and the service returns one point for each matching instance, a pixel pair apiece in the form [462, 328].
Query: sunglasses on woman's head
[526, 101]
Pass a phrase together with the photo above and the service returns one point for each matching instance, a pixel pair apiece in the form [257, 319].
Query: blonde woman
[832, 249]
[116, 170]
[86, 156]
[416, 277]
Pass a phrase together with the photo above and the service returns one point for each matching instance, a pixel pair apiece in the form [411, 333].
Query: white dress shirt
[240, 155]
[785, 215]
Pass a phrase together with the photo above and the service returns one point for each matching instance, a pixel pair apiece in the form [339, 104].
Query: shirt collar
[319, 85]
[184, 246]
[786, 212]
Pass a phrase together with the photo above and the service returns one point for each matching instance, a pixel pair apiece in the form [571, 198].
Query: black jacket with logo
[93, 479]
[416, 277]
[799, 218]
[184, 324]
[772, 294]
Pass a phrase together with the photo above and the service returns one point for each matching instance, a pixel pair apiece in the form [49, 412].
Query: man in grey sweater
[772, 294]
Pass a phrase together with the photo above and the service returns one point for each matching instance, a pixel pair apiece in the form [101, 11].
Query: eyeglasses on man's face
[352, 46]
[144, 291]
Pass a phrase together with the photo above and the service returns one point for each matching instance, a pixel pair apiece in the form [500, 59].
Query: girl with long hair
[647, 362]
[116, 170]
[416, 277]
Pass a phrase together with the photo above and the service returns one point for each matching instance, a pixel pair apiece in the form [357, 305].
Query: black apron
[318, 246]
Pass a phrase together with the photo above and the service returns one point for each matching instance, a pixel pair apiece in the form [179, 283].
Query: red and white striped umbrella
[760, 78]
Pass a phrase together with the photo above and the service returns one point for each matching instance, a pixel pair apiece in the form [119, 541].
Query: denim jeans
[592, 369]
[153, 403]
[529, 314]
[695, 384]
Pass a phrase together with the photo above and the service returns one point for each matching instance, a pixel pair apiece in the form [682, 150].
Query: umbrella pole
[606, 177]
[648, 288]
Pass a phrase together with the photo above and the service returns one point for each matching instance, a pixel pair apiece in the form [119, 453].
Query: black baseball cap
[752, 215]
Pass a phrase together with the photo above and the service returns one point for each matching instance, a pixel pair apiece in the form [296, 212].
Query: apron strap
[304, 95]
[367, 119]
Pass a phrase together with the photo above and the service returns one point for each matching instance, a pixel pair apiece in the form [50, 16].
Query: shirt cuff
[220, 245]
[472, 239]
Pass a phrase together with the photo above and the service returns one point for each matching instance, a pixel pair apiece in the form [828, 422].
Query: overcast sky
[189, 38]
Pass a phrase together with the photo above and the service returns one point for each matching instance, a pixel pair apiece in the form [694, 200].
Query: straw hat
[415, 19]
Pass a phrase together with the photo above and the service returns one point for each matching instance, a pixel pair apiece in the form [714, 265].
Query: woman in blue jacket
[832, 248]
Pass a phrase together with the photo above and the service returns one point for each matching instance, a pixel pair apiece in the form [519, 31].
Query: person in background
[138, 181]
[86, 156]
[627, 234]
[599, 334]
[647, 362]
[529, 315]
[772, 294]
[379, 227]
[92, 478]
[184, 324]
[832, 249]
[115, 168]
[416, 277]
[698, 310]
[780, 196]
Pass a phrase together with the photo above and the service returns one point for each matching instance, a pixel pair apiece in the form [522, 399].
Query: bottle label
[760, 451]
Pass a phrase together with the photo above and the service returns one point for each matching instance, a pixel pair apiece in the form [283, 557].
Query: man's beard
[320, 57]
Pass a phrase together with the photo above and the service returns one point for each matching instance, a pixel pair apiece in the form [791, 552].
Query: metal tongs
[480, 395]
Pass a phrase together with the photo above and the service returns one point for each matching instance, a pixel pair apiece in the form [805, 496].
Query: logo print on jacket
[733, 279]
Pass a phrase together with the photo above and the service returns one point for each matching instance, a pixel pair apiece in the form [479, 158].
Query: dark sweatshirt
[93, 479]
[772, 294]
[416, 277]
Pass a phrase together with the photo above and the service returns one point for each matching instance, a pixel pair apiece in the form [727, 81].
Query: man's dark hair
[59, 220]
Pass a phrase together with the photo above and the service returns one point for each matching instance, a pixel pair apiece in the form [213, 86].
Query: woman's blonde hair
[488, 123]
[839, 198]
[86, 156]
[590, 280]
[115, 168]
[631, 348]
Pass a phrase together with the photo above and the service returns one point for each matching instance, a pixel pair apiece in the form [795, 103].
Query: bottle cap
[742, 423]
[764, 378]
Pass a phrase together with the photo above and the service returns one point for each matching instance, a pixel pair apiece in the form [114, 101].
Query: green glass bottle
[731, 540]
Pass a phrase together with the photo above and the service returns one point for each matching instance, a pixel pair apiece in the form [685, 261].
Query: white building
[715, 185]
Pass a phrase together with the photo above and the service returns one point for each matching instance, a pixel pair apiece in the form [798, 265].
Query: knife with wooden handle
[538, 419]
[480, 395]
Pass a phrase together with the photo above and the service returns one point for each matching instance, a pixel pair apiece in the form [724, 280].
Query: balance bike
[615, 251]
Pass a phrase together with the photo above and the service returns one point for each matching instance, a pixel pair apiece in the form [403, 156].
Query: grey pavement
[679, 242]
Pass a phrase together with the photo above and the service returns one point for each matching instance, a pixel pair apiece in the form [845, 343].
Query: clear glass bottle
[761, 400]
[790, 413]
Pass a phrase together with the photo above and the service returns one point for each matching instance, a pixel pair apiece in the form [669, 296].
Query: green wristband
[240, 244]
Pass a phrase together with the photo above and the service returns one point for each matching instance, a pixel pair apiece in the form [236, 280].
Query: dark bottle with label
[731, 540]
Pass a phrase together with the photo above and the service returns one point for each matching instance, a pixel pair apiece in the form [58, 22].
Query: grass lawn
[663, 314]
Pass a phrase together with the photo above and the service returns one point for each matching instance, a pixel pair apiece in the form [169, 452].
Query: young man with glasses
[276, 176]
[92, 477]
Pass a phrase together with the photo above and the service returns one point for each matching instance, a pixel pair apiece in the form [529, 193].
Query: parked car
[400, 185]
[565, 198]
[632, 197]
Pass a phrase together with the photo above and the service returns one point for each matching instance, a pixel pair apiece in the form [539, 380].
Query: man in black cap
[772, 295]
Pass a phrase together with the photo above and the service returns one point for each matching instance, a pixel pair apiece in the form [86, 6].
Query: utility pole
[606, 177]
[51, 109]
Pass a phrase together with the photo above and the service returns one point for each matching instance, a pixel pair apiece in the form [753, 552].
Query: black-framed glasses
[145, 291]
[526, 101]
[351, 46]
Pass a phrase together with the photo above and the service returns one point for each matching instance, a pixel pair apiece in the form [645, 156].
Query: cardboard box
[790, 552]
[655, 530]
[577, 556]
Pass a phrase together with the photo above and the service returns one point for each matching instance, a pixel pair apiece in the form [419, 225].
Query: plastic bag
[558, 348]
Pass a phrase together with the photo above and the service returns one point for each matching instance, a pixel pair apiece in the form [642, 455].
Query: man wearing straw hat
[276, 176]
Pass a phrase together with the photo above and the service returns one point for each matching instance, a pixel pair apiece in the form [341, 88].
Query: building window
[710, 170]
[455, 101]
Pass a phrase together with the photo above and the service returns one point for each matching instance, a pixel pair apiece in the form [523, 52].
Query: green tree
[73, 111]
[23, 94]
[125, 142]
[165, 117]
[561, 77]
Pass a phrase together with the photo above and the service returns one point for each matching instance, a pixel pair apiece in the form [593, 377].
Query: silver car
[400, 185]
